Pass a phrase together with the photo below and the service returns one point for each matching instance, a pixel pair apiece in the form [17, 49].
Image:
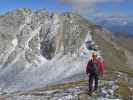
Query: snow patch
[14, 42]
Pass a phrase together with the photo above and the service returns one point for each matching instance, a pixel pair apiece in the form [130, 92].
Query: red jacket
[100, 65]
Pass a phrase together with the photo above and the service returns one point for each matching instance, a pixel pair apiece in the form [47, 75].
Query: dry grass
[123, 89]
[115, 60]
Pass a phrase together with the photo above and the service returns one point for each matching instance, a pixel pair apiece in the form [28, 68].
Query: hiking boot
[95, 89]
[89, 93]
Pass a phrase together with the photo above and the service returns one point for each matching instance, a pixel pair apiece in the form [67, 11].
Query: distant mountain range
[117, 25]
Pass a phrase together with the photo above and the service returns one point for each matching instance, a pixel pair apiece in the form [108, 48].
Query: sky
[105, 6]
[51, 5]
[89, 8]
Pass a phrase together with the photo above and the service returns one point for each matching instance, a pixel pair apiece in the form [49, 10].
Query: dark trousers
[93, 77]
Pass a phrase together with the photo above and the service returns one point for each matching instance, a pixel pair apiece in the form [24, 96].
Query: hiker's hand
[101, 75]
[105, 77]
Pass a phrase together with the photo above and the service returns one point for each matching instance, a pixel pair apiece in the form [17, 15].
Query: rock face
[76, 90]
[28, 39]
[29, 34]
[41, 48]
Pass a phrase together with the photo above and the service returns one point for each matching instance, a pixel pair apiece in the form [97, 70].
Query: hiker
[101, 65]
[95, 67]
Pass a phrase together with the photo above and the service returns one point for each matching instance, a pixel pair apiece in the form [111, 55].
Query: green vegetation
[115, 60]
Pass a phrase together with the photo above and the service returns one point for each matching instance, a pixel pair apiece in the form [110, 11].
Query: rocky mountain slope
[41, 48]
[114, 53]
[38, 46]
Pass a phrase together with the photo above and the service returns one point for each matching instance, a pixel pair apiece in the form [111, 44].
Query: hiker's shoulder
[90, 60]
[97, 61]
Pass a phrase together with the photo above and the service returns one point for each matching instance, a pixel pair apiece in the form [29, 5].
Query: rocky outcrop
[41, 48]
[41, 42]
[115, 88]
[28, 34]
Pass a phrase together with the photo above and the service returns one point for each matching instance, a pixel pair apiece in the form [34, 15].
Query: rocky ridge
[41, 48]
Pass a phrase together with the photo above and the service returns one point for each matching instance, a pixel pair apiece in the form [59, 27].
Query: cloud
[115, 18]
[81, 6]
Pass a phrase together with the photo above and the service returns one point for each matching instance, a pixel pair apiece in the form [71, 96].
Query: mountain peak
[43, 48]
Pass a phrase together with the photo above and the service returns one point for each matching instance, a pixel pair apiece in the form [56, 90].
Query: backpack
[94, 69]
